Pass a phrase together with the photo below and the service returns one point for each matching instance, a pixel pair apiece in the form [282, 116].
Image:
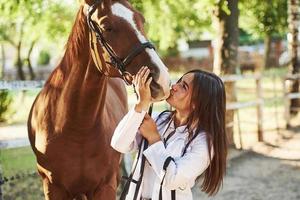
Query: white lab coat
[180, 175]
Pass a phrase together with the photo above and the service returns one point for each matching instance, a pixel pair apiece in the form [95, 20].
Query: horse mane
[76, 50]
[78, 38]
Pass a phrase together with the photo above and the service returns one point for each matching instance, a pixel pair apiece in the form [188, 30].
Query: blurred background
[253, 45]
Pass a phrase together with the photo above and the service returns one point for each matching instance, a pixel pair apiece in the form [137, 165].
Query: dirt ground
[267, 171]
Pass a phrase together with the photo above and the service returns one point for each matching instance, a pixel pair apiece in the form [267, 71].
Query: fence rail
[258, 102]
[21, 85]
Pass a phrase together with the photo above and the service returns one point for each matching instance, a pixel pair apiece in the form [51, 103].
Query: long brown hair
[208, 105]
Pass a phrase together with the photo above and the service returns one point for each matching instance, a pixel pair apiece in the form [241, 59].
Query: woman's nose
[174, 87]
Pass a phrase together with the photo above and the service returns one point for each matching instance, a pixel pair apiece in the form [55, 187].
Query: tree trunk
[293, 20]
[226, 61]
[267, 43]
[32, 74]
[3, 63]
[19, 63]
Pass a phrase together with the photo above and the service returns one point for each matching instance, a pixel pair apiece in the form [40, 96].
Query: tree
[294, 68]
[25, 22]
[3, 62]
[226, 50]
[16, 19]
[264, 19]
[5, 98]
[167, 21]
[5, 102]
[62, 12]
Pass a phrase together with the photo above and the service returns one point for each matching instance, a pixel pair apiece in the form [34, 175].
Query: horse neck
[84, 89]
[77, 59]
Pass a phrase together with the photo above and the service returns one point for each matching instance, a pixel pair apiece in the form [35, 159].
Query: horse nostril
[152, 74]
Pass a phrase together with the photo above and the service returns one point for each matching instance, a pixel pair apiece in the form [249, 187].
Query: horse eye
[108, 29]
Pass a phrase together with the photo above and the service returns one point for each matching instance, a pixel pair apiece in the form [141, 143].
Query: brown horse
[73, 117]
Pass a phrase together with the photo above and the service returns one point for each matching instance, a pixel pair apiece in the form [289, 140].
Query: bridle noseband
[118, 63]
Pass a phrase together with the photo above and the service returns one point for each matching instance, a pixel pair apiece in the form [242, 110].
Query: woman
[183, 144]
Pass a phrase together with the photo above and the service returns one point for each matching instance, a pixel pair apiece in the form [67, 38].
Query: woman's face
[181, 93]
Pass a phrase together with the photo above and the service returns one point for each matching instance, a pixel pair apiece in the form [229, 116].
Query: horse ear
[105, 4]
[88, 2]
[91, 2]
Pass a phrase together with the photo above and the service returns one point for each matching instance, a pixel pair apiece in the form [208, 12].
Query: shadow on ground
[253, 176]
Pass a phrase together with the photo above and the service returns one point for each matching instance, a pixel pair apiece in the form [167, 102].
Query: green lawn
[20, 162]
[17, 160]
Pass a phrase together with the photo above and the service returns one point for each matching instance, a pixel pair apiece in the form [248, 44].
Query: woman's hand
[148, 130]
[142, 87]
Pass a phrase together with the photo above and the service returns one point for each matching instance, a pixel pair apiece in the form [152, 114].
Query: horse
[72, 119]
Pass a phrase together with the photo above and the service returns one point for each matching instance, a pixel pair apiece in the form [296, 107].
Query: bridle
[118, 63]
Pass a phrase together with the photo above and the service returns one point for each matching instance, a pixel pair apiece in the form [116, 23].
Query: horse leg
[52, 191]
[82, 197]
[105, 192]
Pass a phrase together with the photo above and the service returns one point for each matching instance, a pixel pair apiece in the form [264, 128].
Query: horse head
[119, 45]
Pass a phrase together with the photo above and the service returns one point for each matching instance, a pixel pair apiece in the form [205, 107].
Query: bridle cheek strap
[127, 77]
[96, 37]
[95, 53]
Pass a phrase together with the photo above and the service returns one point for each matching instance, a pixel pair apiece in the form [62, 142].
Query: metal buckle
[127, 77]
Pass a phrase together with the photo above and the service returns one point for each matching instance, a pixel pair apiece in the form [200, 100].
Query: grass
[17, 160]
[272, 87]
[20, 162]
[29, 188]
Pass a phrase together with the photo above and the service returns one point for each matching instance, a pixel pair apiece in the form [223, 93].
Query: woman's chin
[169, 100]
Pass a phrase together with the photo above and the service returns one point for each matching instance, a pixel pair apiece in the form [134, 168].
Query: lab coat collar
[181, 131]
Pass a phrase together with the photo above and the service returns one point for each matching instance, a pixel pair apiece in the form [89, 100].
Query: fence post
[259, 108]
[287, 103]
[1, 195]
[1, 180]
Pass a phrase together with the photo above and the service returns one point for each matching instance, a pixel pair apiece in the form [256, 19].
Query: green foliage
[58, 20]
[247, 39]
[44, 58]
[26, 21]
[34, 18]
[260, 18]
[19, 18]
[169, 20]
[5, 101]
[20, 105]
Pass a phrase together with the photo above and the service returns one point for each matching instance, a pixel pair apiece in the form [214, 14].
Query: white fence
[257, 102]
